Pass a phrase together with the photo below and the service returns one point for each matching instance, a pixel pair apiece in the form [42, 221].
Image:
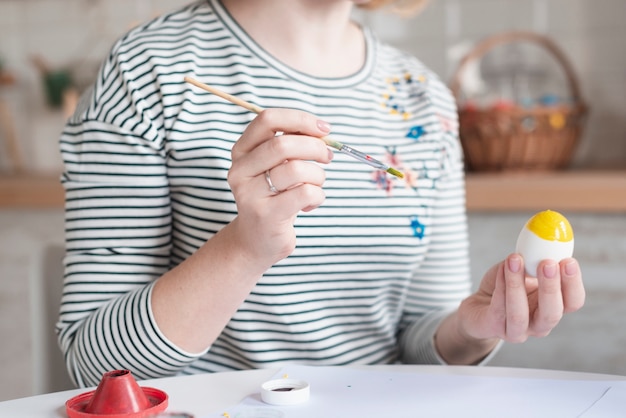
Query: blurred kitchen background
[48, 45]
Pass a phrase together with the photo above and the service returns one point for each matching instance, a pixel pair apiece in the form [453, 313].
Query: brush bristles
[395, 172]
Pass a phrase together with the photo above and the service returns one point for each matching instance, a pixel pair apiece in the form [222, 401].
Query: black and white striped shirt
[146, 155]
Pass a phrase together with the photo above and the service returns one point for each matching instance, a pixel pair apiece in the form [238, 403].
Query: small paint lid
[285, 392]
[117, 396]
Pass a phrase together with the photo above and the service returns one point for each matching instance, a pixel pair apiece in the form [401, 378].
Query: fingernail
[514, 264]
[570, 268]
[549, 270]
[331, 154]
[323, 126]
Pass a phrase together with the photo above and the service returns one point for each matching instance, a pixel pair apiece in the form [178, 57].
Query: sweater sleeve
[118, 234]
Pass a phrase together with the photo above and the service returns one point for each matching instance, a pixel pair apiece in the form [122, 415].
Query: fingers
[260, 149]
[293, 173]
[498, 299]
[286, 158]
[549, 309]
[516, 300]
[560, 290]
[271, 121]
[512, 307]
[297, 182]
[535, 308]
[274, 151]
[304, 197]
[572, 285]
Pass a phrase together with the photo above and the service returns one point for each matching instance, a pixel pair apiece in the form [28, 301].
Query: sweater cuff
[417, 343]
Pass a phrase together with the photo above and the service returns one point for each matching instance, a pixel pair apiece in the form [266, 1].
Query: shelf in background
[571, 191]
[31, 192]
[601, 191]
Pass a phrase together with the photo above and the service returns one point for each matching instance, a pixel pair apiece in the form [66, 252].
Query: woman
[203, 238]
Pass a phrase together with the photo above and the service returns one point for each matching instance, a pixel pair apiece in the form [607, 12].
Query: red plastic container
[117, 396]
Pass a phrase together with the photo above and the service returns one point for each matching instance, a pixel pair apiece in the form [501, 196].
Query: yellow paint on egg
[551, 226]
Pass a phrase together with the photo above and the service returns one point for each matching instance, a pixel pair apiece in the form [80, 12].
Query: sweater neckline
[290, 73]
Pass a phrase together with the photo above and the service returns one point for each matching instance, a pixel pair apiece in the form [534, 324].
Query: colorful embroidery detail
[390, 97]
[416, 132]
[418, 227]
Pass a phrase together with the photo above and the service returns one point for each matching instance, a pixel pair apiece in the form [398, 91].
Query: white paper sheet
[345, 392]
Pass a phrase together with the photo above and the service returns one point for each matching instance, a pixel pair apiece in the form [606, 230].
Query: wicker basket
[515, 137]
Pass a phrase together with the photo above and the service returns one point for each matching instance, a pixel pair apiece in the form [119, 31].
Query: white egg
[547, 235]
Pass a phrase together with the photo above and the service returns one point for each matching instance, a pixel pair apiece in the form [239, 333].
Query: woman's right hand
[285, 144]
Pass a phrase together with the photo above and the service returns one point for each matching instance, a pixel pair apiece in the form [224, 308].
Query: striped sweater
[146, 156]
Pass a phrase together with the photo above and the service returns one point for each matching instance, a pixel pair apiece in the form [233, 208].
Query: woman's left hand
[512, 307]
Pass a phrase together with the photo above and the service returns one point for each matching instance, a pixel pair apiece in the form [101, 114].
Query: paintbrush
[361, 156]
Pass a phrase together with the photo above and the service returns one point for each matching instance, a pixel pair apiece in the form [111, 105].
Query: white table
[206, 393]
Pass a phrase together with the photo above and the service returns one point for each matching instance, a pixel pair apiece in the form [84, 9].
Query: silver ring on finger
[271, 186]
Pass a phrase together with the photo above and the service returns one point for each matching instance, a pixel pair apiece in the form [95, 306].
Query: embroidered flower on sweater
[418, 228]
[398, 89]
